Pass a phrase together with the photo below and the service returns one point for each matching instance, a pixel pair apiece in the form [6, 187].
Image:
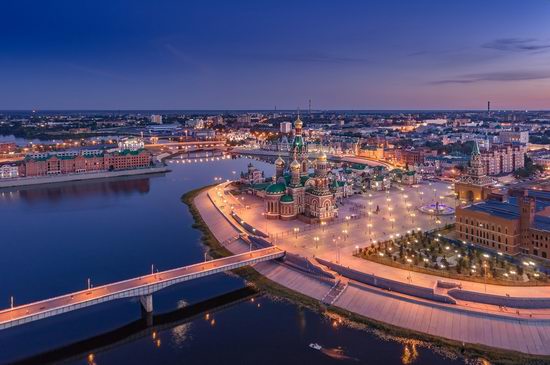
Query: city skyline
[365, 56]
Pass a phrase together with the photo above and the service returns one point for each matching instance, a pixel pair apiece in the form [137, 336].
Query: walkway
[137, 287]
[462, 323]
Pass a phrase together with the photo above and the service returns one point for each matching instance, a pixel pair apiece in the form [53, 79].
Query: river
[53, 238]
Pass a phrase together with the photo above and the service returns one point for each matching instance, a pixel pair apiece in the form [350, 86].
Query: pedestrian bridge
[142, 287]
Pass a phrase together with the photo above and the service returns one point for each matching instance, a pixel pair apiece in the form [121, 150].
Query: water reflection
[82, 189]
[410, 353]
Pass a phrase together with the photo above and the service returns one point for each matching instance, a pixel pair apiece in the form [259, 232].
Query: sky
[262, 54]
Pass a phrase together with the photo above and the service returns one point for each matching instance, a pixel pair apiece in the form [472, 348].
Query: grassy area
[436, 255]
[262, 283]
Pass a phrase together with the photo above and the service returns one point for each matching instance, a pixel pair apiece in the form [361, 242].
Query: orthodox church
[294, 192]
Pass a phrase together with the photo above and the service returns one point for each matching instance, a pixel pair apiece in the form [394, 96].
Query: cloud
[497, 76]
[517, 45]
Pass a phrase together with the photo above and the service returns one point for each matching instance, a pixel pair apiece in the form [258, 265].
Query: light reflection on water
[146, 223]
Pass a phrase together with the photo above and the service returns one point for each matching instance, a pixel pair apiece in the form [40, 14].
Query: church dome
[295, 165]
[322, 157]
[276, 189]
[298, 123]
[279, 162]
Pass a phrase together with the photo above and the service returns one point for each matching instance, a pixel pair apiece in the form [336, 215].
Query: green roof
[358, 166]
[287, 199]
[261, 186]
[129, 152]
[276, 189]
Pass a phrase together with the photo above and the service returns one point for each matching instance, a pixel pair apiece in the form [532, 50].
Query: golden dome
[298, 123]
[279, 161]
[322, 157]
[295, 165]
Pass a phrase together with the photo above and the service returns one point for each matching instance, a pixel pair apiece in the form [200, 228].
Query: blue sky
[409, 54]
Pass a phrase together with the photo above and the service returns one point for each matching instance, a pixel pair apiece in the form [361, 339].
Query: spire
[475, 149]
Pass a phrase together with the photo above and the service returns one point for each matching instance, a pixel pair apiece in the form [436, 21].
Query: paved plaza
[465, 322]
[363, 219]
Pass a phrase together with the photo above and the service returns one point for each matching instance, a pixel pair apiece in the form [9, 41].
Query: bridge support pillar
[147, 303]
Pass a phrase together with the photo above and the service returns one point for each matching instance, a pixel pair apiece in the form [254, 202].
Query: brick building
[520, 225]
[83, 161]
[7, 147]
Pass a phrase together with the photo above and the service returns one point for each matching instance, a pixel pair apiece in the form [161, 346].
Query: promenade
[466, 322]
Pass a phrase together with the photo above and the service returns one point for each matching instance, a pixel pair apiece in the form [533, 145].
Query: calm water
[53, 238]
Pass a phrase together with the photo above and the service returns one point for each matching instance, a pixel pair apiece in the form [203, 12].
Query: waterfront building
[70, 162]
[517, 225]
[475, 185]
[130, 144]
[8, 171]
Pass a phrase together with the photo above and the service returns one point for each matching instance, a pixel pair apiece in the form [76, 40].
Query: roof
[539, 194]
[129, 152]
[287, 199]
[274, 189]
[541, 222]
[261, 186]
[507, 210]
[358, 166]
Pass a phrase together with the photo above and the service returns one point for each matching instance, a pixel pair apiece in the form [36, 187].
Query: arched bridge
[142, 287]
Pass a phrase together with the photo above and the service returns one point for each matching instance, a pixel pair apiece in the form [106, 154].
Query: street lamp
[316, 239]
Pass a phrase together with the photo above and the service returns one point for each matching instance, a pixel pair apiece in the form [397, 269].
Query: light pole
[316, 240]
[485, 274]
[89, 283]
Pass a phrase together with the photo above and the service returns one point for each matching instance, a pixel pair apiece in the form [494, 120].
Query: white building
[285, 127]
[132, 144]
[9, 171]
[440, 121]
[156, 118]
[514, 137]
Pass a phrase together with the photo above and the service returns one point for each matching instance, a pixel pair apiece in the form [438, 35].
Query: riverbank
[495, 355]
[53, 179]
